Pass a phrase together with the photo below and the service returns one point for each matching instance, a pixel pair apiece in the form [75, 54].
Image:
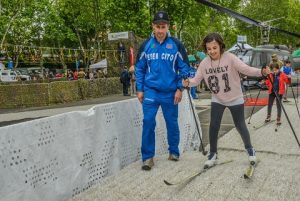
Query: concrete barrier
[58, 157]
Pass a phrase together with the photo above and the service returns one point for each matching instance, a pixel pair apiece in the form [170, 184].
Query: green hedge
[42, 94]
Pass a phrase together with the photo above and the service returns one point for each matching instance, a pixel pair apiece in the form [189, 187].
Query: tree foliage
[286, 12]
[86, 24]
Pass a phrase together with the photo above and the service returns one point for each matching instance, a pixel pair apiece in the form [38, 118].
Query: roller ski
[263, 124]
[253, 162]
[193, 176]
[250, 170]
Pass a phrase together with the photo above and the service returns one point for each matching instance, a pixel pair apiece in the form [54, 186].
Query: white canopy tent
[100, 64]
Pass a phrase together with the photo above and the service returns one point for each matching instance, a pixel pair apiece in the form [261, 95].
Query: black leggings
[237, 112]
[272, 96]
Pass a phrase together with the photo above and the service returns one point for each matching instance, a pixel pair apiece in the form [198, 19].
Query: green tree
[10, 13]
[203, 20]
[85, 24]
[266, 10]
[129, 15]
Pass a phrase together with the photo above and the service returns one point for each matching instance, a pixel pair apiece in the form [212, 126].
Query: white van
[8, 76]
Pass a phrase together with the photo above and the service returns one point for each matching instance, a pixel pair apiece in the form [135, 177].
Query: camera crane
[265, 26]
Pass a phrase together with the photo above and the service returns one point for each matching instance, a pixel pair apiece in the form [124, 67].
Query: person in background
[220, 70]
[274, 61]
[132, 81]
[70, 74]
[288, 70]
[81, 74]
[125, 80]
[276, 84]
[91, 75]
[192, 74]
[202, 86]
[162, 63]
[121, 52]
[75, 75]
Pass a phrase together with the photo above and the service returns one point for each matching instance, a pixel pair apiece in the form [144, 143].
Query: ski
[250, 170]
[193, 176]
[263, 124]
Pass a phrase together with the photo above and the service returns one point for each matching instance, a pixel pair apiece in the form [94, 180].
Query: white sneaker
[251, 155]
[212, 160]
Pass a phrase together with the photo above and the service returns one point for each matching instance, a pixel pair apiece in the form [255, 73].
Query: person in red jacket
[276, 83]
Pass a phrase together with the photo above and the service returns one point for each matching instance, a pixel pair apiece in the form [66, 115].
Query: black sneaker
[278, 121]
[268, 119]
[285, 100]
[148, 164]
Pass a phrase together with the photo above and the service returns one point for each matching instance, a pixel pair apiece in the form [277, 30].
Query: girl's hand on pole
[185, 82]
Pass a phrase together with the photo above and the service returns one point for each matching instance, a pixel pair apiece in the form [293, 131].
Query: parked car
[8, 76]
[22, 77]
[36, 72]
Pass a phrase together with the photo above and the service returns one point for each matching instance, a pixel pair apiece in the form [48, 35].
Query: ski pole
[277, 97]
[297, 83]
[196, 122]
[248, 88]
[286, 92]
[295, 101]
[254, 105]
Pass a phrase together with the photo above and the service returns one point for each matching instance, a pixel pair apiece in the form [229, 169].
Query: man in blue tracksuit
[161, 65]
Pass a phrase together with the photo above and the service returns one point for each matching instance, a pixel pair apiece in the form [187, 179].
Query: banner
[118, 35]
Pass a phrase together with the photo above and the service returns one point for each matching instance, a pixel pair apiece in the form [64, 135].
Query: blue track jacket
[287, 70]
[161, 66]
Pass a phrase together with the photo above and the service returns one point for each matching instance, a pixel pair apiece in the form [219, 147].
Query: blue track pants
[152, 101]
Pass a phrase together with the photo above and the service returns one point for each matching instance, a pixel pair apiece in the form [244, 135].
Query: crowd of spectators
[75, 75]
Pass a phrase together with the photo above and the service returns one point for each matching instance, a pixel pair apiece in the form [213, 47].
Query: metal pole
[196, 122]
[297, 83]
[295, 100]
